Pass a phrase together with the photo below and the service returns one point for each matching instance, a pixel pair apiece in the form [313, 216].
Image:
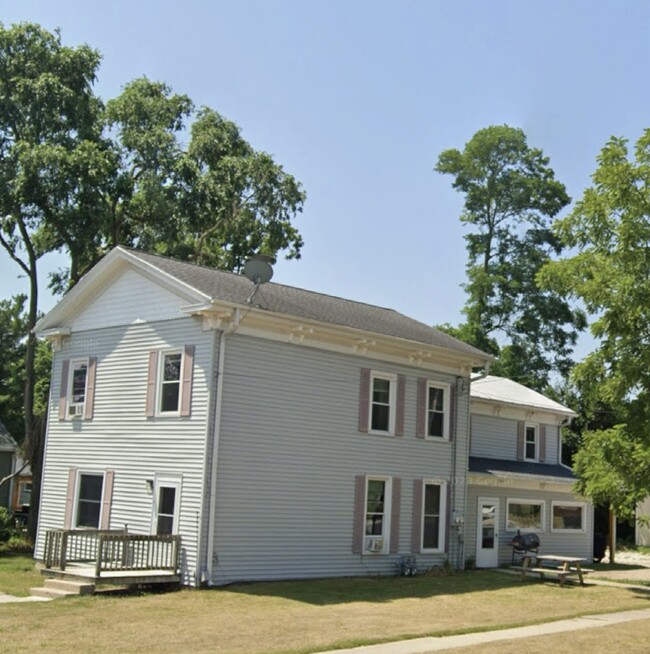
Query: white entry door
[487, 538]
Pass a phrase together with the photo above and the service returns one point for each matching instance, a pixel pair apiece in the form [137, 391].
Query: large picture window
[89, 500]
[382, 403]
[567, 516]
[377, 514]
[525, 515]
[433, 516]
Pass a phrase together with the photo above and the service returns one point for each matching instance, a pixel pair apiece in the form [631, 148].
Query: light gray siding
[552, 444]
[289, 453]
[566, 544]
[121, 438]
[494, 437]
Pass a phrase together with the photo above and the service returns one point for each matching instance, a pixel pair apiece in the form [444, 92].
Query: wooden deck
[114, 557]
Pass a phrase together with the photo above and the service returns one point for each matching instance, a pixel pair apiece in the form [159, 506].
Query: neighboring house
[8, 447]
[516, 481]
[642, 523]
[22, 489]
[282, 433]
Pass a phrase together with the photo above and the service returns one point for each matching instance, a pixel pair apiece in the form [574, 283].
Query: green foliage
[7, 525]
[613, 467]
[511, 195]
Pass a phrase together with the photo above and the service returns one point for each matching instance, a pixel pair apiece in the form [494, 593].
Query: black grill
[524, 544]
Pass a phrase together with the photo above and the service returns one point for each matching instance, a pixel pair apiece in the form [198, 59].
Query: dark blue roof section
[501, 467]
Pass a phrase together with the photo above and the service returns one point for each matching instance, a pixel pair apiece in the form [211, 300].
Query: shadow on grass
[323, 592]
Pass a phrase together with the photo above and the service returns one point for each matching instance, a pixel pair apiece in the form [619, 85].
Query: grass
[299, 617]
[17, 574]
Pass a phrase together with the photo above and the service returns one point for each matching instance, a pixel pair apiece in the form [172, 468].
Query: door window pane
[90, 500]
[166, 510]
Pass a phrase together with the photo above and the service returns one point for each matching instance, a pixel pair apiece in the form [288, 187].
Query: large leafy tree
[48, 118]
[511, 196]
[609, 271]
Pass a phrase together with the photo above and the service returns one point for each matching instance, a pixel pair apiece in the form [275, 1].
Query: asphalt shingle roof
[297, 302]
[6, 440]
[523, 469]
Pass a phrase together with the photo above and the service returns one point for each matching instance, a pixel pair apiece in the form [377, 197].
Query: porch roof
[520, 469]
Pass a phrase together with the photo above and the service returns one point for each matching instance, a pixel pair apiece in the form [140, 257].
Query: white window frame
[392, 402]
[535, 427]
[442, 524]
[78, 414]
[166, 481]
[388, 496]
[559, 530]
[77, 492]
[22, 484]
[159, 382]
[445, 409]
[523, 530]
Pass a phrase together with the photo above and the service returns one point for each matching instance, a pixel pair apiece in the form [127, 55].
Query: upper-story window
[531, 443]
[382, 402]
[437, 410]
[78, 377]
[170, 382]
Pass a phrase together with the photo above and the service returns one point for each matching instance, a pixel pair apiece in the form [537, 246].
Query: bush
[7, 525]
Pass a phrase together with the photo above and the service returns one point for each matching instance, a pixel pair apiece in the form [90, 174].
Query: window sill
[437, 439]
[381, 433]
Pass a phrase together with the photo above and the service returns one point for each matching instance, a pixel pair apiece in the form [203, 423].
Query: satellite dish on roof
[258, 269]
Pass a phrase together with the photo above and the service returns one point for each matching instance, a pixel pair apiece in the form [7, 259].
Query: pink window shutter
[421, 416]
[399, 414]
[521, 430]
[359, 514]
[394, 515]
[453, 412]
[416, 520]
[542, 443]
[90, 389]
[107, 498]
[364, 400]
[151, 383]
[69, 498]
[188, 373]
[448, 522]
[63, 390]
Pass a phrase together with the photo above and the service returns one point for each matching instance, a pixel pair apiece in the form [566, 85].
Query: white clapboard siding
[121, 438]
[566, 544]
[119, 304]
[289, 453]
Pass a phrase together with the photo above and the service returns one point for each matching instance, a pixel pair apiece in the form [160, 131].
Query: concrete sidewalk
[8, 599]
[439, 644]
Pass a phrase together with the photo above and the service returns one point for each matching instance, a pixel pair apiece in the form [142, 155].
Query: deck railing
[111, 550]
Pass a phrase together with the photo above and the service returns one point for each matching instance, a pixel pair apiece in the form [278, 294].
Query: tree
[511, 195]
[609, 271]
[48, 116]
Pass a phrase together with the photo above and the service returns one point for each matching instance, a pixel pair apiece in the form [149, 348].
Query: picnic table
[562, 567]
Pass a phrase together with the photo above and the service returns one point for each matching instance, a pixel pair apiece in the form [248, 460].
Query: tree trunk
[612, 536]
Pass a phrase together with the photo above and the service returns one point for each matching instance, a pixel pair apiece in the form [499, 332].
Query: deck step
[56, 588]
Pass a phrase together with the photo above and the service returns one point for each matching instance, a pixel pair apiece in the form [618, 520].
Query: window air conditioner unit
[76, 410]
[375, 544]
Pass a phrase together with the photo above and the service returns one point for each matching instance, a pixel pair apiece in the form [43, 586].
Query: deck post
[100, 554]
[64, 550]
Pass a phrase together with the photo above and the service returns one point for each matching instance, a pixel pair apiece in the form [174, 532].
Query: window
[77, 387]
[530, 443]
[377, 515]
[433, 516]
[567, 516]
[170, 382]
[525, 515]
[382, 403]
[165, 509]
[437, 411]
[24, 493]
[89, 500]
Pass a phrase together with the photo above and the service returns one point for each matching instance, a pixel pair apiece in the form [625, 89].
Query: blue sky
[357, 99]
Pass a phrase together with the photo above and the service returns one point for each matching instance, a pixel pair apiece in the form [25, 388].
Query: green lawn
[18, 575]
[298, 617]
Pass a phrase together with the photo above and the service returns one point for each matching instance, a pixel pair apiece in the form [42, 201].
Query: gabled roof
[505, 391]
[217, 285]
[6, 439]
[519, 469]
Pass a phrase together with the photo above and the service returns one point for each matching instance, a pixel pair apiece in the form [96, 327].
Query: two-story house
[516, 480]
[282, 433]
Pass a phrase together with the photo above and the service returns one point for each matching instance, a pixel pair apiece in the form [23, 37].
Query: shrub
[7, 525]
